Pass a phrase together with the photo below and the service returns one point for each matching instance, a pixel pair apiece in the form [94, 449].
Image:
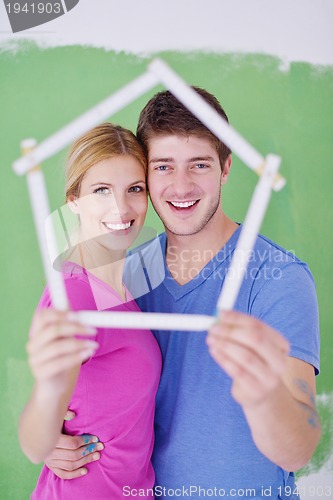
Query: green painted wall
[289, 112]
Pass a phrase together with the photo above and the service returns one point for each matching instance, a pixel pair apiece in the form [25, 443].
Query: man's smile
[183, 206]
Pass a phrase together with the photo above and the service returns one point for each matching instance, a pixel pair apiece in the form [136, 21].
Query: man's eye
[102, 190]
[201, 165]
[162, 167]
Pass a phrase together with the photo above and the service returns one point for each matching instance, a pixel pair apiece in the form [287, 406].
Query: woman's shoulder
[78, 289]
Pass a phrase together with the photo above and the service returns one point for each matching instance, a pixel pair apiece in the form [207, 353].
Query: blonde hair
[100, 143]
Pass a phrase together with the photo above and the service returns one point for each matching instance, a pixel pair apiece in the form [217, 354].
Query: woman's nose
[119, 205]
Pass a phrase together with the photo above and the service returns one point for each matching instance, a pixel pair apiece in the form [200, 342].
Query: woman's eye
[102, 190]
[136, 189]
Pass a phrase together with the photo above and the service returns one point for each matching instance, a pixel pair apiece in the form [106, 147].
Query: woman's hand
[53, 349]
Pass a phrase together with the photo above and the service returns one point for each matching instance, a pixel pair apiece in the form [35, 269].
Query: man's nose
[182, 182]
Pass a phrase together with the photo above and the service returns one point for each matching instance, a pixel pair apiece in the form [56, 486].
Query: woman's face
[112, 203]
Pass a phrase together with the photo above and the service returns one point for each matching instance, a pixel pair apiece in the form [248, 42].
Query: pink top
[114, 399]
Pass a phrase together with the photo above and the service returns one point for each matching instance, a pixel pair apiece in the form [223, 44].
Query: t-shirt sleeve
[287, 301]
[81, 298]
[79, 293]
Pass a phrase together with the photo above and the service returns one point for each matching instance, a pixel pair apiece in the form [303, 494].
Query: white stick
[41, 210]
[145, 321]
[209, 117]
[86, 121]
[248, 236]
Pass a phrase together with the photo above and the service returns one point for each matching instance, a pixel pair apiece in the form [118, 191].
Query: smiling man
[238, 417]
[185, 179]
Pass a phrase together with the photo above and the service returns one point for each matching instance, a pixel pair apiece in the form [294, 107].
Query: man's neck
[187, 255]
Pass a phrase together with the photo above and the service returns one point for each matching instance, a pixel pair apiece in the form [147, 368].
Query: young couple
[235, 407]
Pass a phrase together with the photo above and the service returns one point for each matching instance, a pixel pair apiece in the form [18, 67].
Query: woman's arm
[55, 357]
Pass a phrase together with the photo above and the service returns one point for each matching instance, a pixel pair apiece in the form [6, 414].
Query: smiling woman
[111, 208]
[106, 189]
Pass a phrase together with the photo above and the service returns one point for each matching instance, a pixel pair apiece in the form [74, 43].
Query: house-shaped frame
[267, 169]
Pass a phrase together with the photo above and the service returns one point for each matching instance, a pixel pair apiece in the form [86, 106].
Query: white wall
[293, 30]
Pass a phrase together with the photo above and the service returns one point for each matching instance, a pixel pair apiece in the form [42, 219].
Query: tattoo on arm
[310, 407]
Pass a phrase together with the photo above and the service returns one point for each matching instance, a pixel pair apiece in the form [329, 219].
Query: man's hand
[276, 392]
[252, 353]
[72, 453]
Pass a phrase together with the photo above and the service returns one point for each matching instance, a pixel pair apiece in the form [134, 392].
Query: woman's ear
[73, 205]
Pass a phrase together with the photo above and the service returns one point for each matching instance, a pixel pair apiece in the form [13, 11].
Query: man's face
[185, 179]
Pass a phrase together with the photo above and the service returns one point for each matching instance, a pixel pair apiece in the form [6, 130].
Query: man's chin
[183, 231]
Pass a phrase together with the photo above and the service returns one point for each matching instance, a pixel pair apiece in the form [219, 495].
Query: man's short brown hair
[165, 115]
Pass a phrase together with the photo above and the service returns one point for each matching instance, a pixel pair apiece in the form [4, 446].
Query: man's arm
[276, 392]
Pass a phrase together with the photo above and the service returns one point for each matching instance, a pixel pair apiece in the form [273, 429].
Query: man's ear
[73, 205]
[226, 170]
